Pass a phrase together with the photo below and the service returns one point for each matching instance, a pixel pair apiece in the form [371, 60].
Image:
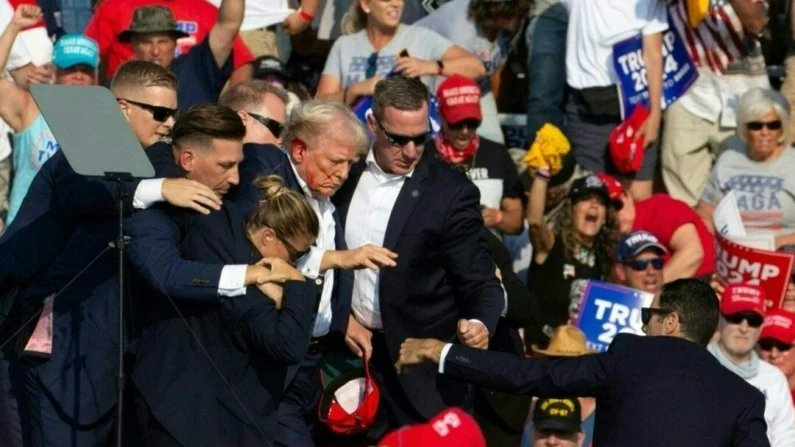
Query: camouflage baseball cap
[152, 19]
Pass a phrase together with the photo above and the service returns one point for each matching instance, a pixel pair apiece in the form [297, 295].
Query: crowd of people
[336, 209]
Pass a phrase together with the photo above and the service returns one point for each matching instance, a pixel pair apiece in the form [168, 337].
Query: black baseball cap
[557, 415]
[588, 185]
[265, 66]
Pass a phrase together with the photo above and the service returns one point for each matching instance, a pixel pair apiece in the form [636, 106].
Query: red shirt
[195, 17]
[661, 215]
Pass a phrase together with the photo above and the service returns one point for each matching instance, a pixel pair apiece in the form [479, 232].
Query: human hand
[414, 68]
[186, 193]
[280, 271]
[26, 15]
[359, 338]
[273, 291]
[491, 217]
[414, 351]
[650, 129]
[295, 24]
[717, 286]
[367, 256]
[473, 334]
[41, 75]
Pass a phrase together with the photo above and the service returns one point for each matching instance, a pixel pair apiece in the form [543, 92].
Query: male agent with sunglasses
[776, 343]
[639, 261]
[742, 312]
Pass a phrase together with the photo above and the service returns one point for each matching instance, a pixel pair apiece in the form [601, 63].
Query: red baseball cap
[450, 428]
[779, 325]
[738, 298]
[459, 99]
[615, 190]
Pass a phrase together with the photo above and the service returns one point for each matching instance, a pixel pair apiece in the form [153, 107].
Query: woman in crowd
[760, 175]
[376, 44]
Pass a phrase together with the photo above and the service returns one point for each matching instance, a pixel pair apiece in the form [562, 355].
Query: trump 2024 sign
[609, 309]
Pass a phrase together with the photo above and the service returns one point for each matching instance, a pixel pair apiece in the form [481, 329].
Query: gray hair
[758, 102]
[312, 121]
[404, 94]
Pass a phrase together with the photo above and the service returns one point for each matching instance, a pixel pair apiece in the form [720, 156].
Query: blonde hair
[354, 20]
[313, 120]
[136, 74]
[283, 210]
[249, 95]
[758, 102]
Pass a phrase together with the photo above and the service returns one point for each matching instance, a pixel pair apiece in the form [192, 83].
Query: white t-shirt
[595, 26]
[779, 413]
[261, 13]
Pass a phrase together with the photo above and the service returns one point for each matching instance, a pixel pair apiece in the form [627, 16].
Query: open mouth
[592, 218]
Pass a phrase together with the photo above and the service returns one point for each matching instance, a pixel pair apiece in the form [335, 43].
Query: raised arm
[222, 35]
[17, 107]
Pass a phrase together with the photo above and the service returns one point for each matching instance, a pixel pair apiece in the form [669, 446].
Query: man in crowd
[261, 106]
[444, 283]
[776, 343]
[631, 386]
[742, 312]
[639, 261]
[556, 423]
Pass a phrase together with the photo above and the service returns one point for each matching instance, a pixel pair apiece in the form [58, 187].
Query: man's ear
[371, 123]
[298, 150]
[671, 324]
[125, 109]
[187, 159]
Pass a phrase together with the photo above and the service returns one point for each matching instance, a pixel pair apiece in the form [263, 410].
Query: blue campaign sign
[609, 309]
[679, 71]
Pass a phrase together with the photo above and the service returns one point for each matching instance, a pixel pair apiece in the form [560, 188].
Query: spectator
[485, 29]
[759, 175]
[776, 343]
[146, 94]
[593, 109]
[699, 125]
[639, 261]
[556, 422]
[450, 428]
[261, 106]
[374, 47]
[742, 312]
[75, 61]
[459, 145]
[205, 68]
[271, 70]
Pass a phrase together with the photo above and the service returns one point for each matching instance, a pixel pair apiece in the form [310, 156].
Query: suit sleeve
[282, 335]
[509, 373]
[154, 254]
[468, 263]
[751, 429]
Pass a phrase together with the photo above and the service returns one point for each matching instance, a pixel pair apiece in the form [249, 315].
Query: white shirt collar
[372, 164]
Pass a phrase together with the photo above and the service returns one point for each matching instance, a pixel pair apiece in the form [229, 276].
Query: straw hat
[567, 341]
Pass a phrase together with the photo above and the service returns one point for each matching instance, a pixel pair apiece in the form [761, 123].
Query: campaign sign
[609, 309]
[679, 71]
[735, 263]
[363, 107]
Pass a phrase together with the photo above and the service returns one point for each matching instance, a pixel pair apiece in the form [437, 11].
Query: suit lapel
[342, 199]
[409, 196]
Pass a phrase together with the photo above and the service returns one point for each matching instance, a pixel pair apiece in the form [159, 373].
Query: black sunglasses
[758, 125]
[767, 344]
[647, 312]
[294, 254]
[472, 124]
[396, 139]
[274, 126]
[159, 113]
[372, 65]
[640, 265]
[754, 320]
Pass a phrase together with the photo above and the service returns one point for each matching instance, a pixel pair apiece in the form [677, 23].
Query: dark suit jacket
[248, 339]
[650, 391]
[443, 273]
[266, 159]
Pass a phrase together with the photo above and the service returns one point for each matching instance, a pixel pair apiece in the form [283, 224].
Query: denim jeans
[546, 68]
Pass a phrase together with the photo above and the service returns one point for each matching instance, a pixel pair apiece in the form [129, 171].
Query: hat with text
[590, 184]
[350, 398]
[267, 66]
[152, 19]
[779, 325]
[75, 49]
[557, 415]
[634, 243]
[459, 99]
[450, 428]
[738, 298]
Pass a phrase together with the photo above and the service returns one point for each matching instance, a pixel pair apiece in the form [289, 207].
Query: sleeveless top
[32, 147]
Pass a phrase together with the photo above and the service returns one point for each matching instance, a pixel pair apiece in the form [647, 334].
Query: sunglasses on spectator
[640, 265]
[647, 312]
[758, 125]
[396, 139]
[372, 65]
[294, 253]
[754, 320]
[767, 344]
[159, 113]
[468, 123]
[274, 126]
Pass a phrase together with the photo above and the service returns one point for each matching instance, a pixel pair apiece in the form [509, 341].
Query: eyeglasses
[372, 66]
[159, 113]
[767, 344]
[396, 139]
[274, 126]
[294, 253]
[758, 125]
[640, 265]
[754, 320]
[468, 123]
[647, 312]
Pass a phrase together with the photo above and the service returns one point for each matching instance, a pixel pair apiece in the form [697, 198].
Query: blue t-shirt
[200, 78]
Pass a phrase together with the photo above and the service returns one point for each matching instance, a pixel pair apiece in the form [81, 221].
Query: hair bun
[270, 186]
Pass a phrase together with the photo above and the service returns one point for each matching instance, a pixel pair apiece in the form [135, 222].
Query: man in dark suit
[661, 390]
[444, 283]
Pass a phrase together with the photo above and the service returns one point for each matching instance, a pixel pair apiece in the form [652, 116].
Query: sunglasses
[159, 113]
[274, 126]
[468, 123]
[640, 265]
[294, 253]
[396, 139]
[754, 320]
[372, 65]
[758, 125]
[647, 312]
[767, 344]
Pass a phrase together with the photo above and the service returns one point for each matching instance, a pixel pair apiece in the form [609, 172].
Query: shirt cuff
[445, 350]
[232, 281]
[309, 266]
[148, 193]
[505, 301]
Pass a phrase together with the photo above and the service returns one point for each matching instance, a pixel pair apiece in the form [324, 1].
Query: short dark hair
[480, 11]
[399, 92]
[247, 95]
[697, 306]
[203, 123]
